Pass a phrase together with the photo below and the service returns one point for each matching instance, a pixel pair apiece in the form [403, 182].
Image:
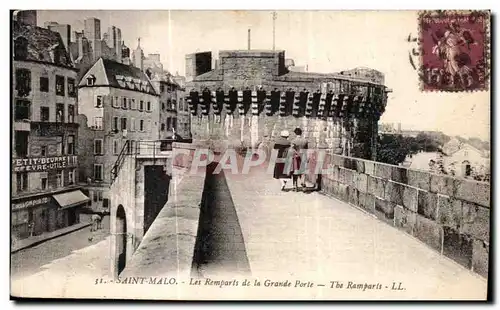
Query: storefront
[37, 215]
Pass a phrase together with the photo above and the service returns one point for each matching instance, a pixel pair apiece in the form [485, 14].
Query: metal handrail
[119, 161]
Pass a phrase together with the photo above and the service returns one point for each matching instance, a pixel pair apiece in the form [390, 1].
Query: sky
[325, 41]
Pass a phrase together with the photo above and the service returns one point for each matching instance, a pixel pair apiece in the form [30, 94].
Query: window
[466, 153]
[98, 172]
[169, 104]
[468, 170]
[174, 123]
[71, 113]
[21, 138]
[162, 88]
[94, 196]
[59, 85]
[22, 181]
[44, 114]
[124, 103]
[60, 113]
[98, 102]
[115, 102]
[163, 106]
[22, 111]
[174, 104]
[115, 123]
[43, 150]
[71, 145]
[44, 84]
[124, 123]
[169, 123]
[162, 127]
[132, 104]
[148, 106]
[141, 125]
[98, 146]
[71, 87]
[116, 147]
[44, 180]
[59, 176]
[97, 123]
[91, 80]
[141, 105]
[23, 82]
[132, 124]
[99, 195]
[59, 148]
[71, 177]
[21, 48]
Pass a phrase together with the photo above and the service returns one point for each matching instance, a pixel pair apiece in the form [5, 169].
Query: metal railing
[141, 148]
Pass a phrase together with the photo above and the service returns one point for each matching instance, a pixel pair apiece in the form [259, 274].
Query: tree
[393, 149]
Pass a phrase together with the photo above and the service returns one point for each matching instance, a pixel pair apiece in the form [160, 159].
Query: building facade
[251, 97]
[118, 105]
[45, 194]
[183, 114]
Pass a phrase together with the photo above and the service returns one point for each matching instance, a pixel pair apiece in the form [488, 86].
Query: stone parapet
[450, 215]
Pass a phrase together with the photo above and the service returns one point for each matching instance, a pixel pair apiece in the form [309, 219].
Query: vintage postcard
[250, 155]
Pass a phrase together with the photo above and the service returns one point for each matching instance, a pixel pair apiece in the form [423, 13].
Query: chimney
[79, 43]
[248, 39]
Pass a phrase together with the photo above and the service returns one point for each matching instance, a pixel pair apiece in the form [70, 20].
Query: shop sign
[30, 203]
[40, 164]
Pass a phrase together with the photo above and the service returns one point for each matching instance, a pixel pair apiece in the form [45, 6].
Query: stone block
[384, 210]
[367, 202]
[347, 162]
[427, 205]
[337, 160]
[336, 172]
[472, 191]
[370, 167]
[476, 221]
[457, 246]
[349, 177]
[393, 192]
[353, 196]
[399, 174]
[419, 179]
[480, 257]
[429, 232]
[404, 219]
[360, 166]
[383, 171]
[343, 193]
[362, 182]
[410, 198]
[444, 185]
[449, 211]
[376, 186]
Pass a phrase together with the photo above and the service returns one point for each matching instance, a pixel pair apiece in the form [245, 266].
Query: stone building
[118, 105]
[174, 114]
[183, 114]
[45, 194]
[251, 96]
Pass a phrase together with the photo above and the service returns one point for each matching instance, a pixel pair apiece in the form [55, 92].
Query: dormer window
[91, 80]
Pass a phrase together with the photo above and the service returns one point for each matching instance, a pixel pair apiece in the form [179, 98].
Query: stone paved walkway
[311, 237]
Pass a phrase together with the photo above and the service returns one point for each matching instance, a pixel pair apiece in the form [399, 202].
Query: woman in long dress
[282, 144]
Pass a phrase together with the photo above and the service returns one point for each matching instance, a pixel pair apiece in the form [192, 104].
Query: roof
[118, 75]
[42, 44]
[214, 75]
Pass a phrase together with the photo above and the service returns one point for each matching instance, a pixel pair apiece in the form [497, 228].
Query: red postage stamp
[454, 50]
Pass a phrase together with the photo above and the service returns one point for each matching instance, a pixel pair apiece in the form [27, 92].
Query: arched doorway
[121, 239]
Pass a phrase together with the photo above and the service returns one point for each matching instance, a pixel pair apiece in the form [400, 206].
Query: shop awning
[71, 199]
